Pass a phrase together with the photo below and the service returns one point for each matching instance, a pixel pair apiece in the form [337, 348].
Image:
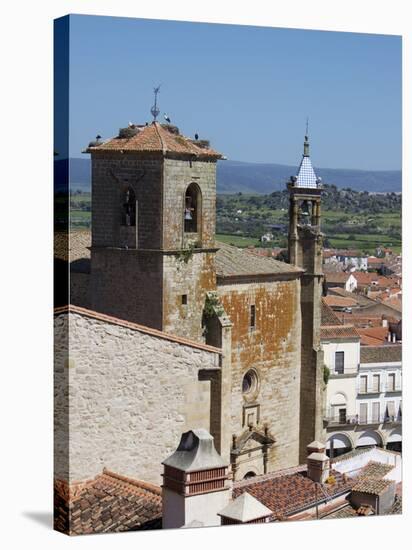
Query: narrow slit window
[252, 323]
[129, 208]
[184, 299]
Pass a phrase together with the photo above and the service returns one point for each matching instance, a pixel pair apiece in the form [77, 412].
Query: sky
[247, 89]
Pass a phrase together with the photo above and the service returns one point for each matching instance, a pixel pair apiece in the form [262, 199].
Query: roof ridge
[151, 487]
[162, 143]
[70, 308]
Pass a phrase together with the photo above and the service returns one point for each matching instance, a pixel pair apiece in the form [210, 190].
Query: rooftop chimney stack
[245, 509]
[195, 486]
[318, 462]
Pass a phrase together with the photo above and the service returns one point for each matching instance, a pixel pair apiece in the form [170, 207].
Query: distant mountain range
[248, 177]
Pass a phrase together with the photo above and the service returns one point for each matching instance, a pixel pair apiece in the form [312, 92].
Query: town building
[364, 390]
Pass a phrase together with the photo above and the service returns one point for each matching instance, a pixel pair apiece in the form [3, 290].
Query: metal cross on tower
[155, 110]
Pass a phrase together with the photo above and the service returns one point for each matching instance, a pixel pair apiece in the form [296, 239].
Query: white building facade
[364, 392]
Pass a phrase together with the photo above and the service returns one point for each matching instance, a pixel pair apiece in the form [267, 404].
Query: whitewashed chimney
[195, 482]
[318, 462]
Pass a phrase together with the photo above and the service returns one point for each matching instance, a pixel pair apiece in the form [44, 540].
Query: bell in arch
[305, 212]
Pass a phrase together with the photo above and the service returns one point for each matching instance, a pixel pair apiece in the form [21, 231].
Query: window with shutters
[363, 413]
[391, 382]
[363, 385]
[375, 412]
[376, 383]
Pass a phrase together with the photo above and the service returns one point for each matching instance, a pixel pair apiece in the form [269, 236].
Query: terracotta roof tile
[236, 262]
[288, 494]
[372, 485]
[339, 301]
[391, 353]
[109, 503]
[337, 277]
[328, 316]
[156, 138]
[373, 335]
[339, 332]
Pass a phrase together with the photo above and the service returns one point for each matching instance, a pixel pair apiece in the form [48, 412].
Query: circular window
[250, 383]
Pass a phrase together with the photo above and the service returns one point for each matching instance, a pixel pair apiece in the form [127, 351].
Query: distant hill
[248, 177]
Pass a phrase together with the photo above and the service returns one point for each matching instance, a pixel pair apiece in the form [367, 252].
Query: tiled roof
[156, 138]
[375, 469]
[361, 299]
[350, 253]
[73, 245]
[109, 503]
[235, 262]
[338, 332]
[339, 301]
[306, 176]
[337, 277]
[391, 353]
[134, 326]
[359, 319]
[288, 494]
[373, 485]
[328, 316]
[373, 335]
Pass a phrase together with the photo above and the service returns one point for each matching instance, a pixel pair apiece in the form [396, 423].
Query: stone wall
[273, 350]
[130, 395]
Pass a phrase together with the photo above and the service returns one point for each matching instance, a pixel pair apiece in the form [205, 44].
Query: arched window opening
[305, 212]
[192, 208]
[249, 475]
[129, 207]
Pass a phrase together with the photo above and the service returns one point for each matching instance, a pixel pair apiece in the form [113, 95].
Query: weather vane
[307, 126]
[155, 110]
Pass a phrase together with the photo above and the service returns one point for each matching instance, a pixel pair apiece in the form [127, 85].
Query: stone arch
[339, 398]
[342, 443]
[245, 469]
[192, 209]
[370, 438]
[394, 440]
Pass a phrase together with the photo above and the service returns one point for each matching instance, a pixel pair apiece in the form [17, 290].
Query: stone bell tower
[305, 251]
[153, 227]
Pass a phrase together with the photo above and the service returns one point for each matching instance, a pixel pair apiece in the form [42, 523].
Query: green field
[238, 240]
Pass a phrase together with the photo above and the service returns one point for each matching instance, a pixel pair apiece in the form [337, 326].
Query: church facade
[238, 335]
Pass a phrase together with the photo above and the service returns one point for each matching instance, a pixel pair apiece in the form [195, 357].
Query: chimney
[245, 509]
[195, 486]
[318, 462]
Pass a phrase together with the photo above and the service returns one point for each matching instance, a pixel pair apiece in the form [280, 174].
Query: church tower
[153, 227]
[305, 251]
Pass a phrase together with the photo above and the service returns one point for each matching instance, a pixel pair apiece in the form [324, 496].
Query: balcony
[369, 390]
[393, 389]
[356, 420]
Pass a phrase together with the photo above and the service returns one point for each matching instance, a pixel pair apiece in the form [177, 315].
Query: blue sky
[247, 89]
